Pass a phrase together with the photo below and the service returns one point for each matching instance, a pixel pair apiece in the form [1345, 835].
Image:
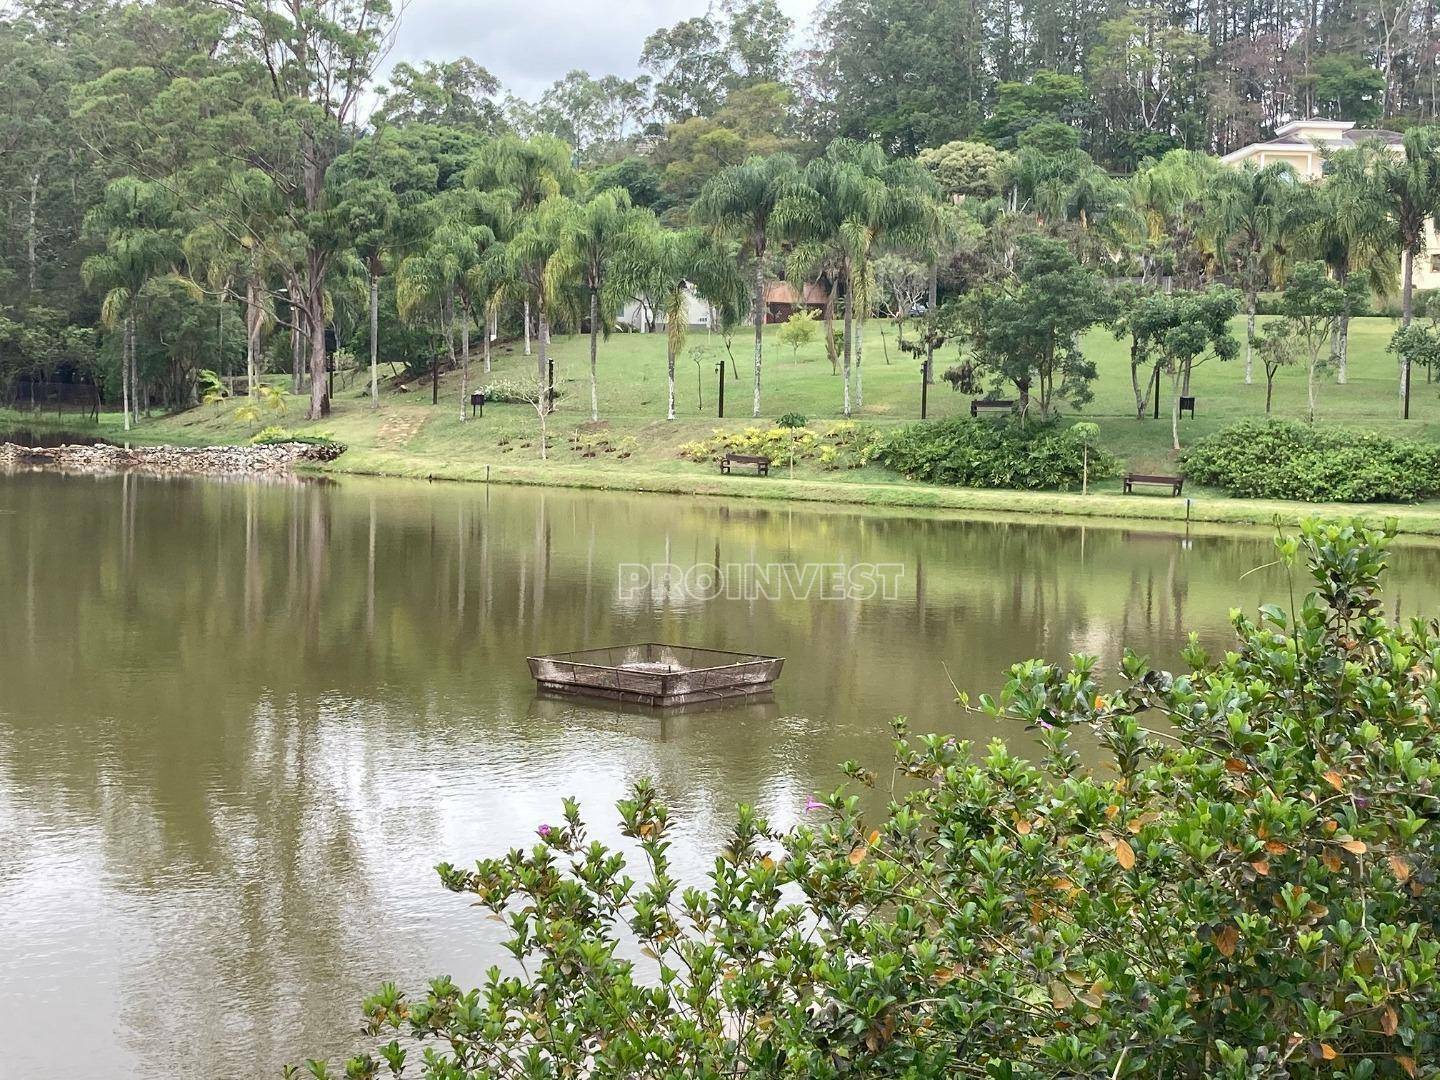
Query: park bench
[1175, 483]
[761, 463]
[976, 404]
[1187, 404]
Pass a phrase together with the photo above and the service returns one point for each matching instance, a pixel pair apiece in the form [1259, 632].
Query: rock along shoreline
[169, 460]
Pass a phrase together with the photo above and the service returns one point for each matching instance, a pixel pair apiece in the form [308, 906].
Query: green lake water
[240, 722]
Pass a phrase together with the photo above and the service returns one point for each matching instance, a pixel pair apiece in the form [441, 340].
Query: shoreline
[1101, 505]
[1035, 505]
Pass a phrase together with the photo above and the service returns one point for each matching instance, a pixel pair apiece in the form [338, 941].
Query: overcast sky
[528, 44]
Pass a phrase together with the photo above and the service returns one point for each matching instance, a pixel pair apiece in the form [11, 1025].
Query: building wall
[1308, 164]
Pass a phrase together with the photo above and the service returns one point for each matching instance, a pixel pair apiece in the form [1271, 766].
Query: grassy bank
[408, 436]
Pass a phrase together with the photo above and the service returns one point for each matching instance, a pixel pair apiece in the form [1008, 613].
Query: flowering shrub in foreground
[1243, 888]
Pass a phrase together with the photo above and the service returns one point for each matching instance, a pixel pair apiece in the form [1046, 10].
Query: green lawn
[409, 436]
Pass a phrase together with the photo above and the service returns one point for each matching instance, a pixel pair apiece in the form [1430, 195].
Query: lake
[240, 722]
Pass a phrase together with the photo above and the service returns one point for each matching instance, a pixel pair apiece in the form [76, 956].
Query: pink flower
[544, 831]
[812, 803]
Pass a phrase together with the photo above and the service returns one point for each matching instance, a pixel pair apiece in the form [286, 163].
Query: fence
[33, 396]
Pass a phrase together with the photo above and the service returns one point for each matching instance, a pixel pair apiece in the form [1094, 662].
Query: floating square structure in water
[655, 674]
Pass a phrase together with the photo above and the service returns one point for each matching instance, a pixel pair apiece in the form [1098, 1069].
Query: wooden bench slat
[760, 461]
[1176, 484]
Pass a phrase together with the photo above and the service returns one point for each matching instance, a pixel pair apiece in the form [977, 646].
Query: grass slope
[410, 437]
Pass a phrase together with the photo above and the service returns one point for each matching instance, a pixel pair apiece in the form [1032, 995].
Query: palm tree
[853, 199]
[1257, 211]
[530, 253]
[744, 199]
[1349, 229]
[137, 220]
[1412, 184]
[597, 250]
[672, 266]
[1169, 200]
[949, 232]
[527, 172]
[457, 263]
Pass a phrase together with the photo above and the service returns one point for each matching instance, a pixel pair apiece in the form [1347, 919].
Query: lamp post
[924, 386]
[721, 368]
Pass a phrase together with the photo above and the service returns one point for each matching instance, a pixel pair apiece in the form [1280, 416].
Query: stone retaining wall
[168, 460]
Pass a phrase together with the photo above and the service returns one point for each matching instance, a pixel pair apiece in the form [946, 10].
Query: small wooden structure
[1187, 404]
[977, 404]
[654, 674]
[760, 461]
[1176, 484]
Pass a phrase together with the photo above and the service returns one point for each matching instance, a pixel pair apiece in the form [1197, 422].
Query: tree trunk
[127, 344]
[491, 318]
[1310, 388]
[1175, 395]
[1407, 311]
[32, 231]
[849, 330]
[759, 316]
[297, 318]
[374, 340]
[594, 349]
[527, 327]
[829, 315]
[252, 338]
[930, 322]
[859, 361]
[1342, 374]
[670, 376]
[1251, 302]
[1342, 332]
[543, 333]
[1140, 401]
[1269, 389]
[464, 358]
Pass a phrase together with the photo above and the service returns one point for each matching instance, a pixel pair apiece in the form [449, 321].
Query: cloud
[528, 44]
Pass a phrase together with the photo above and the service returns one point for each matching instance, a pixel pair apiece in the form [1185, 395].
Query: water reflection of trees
[281, 704]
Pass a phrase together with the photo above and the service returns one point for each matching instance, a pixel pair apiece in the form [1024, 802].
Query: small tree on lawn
[901, 284]
[1026, 327]
[1277, 348]
[1312, 305]
[1417, 346]
[800, 329]
[1087, 435]
[1179, 331]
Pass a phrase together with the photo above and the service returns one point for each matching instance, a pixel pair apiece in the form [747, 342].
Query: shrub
[1241, 888]
[274, 435]
[515, 393]
[841, 445]
[994, 454]
[792, 420]
[1285, 460]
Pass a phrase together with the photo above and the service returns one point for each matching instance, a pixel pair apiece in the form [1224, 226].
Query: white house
[640, 313]
[1302, 143]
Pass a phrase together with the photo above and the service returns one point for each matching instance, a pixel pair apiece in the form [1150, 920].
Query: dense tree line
[209, 185]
